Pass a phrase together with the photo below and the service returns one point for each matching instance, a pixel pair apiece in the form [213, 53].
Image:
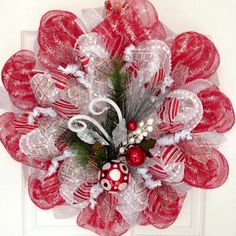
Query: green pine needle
[117, 93]
[99, 154]
[81, 149]
[118, 79]
[84, 153]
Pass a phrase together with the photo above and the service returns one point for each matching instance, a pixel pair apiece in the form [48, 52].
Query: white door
[204, 214]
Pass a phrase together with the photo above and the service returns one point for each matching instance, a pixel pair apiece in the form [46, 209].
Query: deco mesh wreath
[117, 116]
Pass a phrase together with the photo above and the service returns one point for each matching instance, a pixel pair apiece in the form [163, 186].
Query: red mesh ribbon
[132, 23]
[164, 206]
[45, 194]
[16, 75]
[104, 219]
[195, 55]
[10, 139]
[211, 174]
[205, 167]
[218, 113]
[58, 32]
[21, 124]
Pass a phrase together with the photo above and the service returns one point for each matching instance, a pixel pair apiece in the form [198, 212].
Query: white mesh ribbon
[95, 191]
[197, 86]
[77, 182]
[191, 110]
[40, 143]
[91, 46]
[167, 164]
[72, 172]
[44, 88]
[66, 211]
[132, 200]
[153, 60]
[213, 138]
[175, 172]
[180, 112]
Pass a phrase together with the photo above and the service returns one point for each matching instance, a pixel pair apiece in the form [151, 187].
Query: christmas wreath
[116, 116]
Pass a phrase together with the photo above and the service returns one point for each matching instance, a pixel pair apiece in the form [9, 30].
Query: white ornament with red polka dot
[114, 176]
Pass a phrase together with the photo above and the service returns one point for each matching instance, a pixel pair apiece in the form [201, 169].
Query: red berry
[132, 125]
[135, 156]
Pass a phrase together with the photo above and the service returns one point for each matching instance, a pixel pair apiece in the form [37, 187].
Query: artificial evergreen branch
[81, 149]
[84, 152]
[99, 154]
[117, 93]
[118, 80]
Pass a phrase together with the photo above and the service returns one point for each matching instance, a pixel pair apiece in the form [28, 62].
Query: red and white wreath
[117, 116]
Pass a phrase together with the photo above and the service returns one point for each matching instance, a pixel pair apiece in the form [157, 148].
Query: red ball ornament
[135, 156]
[132, 125]
[114, 176]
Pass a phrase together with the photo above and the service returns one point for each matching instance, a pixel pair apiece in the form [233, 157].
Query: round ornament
[114, 176]
[132, 125]
[135, 156]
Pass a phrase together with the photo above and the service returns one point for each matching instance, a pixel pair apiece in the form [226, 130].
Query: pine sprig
[82, 153]
[118, 80]
[81, 149]
[99, 154]
[117, 93]
[86, 153]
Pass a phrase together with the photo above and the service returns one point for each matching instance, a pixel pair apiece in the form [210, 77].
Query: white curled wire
[79, 119]
[107, 100]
